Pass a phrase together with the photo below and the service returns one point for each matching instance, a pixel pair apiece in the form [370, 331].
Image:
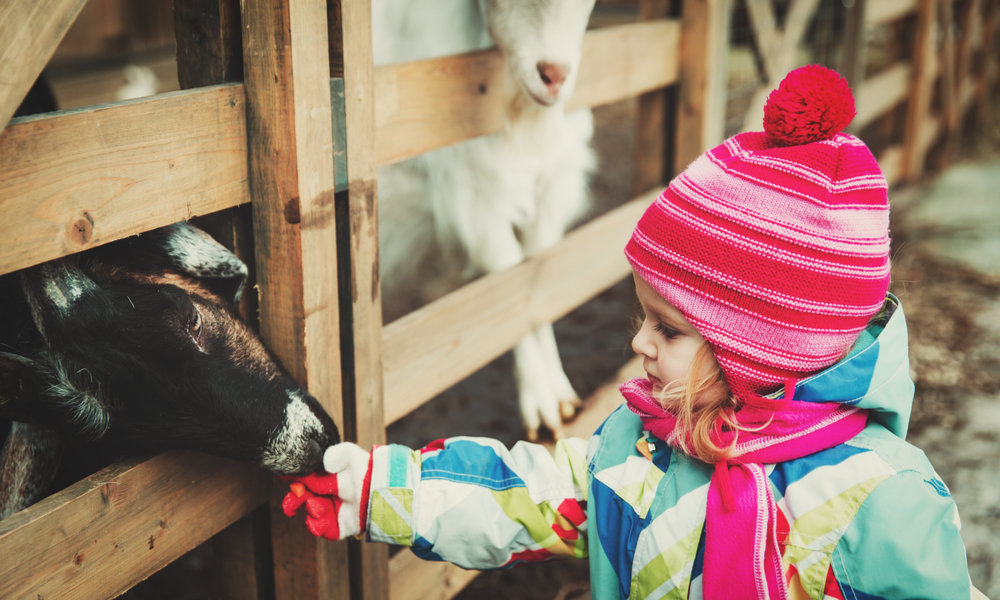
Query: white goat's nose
[553, 75]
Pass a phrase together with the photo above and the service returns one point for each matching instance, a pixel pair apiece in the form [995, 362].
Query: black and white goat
[485, 204]
[136, 347]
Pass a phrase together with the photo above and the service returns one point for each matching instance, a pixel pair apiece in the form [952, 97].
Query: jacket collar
[875, 375]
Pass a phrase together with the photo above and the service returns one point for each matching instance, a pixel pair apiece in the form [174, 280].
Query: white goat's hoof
[531, 435]
[568, 408]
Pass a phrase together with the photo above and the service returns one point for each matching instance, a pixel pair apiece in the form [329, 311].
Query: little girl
[763, 455]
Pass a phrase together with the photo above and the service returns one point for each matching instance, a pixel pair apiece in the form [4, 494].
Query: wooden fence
[282, 122]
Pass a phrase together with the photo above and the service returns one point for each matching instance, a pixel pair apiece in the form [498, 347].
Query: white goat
[484, 205]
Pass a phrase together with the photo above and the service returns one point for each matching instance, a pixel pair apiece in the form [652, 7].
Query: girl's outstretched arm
[469, 501]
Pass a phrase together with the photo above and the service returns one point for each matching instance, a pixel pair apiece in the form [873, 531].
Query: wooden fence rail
[131, 166]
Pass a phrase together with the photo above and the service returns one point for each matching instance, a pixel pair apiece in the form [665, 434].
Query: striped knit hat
[775, 244]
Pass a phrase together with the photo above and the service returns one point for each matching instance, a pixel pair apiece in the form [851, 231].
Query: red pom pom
[811, 104]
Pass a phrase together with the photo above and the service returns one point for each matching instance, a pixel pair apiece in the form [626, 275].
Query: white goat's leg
[538, 402]
[484, 228]
[561, 202]
[569, 401]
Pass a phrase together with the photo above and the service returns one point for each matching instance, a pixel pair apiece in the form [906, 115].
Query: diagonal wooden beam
[777, 48]
[29, 34]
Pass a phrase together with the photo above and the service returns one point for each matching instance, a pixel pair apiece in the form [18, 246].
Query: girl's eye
[665, 331]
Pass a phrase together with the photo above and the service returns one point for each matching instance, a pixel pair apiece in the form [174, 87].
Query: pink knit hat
[775, 244]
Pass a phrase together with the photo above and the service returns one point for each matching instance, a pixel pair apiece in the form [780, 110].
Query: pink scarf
[742, 516]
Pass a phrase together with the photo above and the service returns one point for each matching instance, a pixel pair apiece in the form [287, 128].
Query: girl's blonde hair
[699, 403]
[703, 400]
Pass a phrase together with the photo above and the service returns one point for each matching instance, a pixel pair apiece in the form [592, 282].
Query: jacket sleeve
[904, 543]
[472, 502]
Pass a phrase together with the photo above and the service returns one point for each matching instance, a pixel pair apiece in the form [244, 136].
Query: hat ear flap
[194, 252]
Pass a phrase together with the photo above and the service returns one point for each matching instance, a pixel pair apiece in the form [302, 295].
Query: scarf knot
[742, 557]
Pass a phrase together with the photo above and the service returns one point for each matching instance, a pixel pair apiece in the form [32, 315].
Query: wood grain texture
[209, 52]
[778, 49]
[701, 110]
[124, 168]
[29, 35]
[102, 535]
[290, 152]
[925, 71]
[428, 104]
[879, 12]
[436, 346]
[136, 165]
[362, 309]
[209, 42]
[987, 80]
[890, 161]
[851, 64]
[881, 93]
[412, 578]
[651, 153]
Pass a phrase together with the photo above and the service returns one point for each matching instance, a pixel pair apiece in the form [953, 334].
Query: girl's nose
[641, 343]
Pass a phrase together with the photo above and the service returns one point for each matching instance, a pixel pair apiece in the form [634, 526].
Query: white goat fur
[485, 204]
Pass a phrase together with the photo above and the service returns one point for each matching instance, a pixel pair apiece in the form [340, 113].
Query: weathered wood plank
[209, 42]
[29, 34]
[881, 93]
[891, 163]
[879, 12]
[209, 52]
[362, 308]
[428, 104]
[75, 179]
[290, 152]
[436, 346]
[651, 120]
[411, 578]
[925, 71]
[104, 534]
[701, 110]
[625, 61]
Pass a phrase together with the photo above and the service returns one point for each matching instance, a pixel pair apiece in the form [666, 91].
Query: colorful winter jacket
[867, 519]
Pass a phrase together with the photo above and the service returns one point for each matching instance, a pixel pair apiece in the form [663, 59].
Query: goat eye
[194, 327]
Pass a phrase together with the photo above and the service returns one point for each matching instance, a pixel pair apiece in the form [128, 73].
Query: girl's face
[667, 342]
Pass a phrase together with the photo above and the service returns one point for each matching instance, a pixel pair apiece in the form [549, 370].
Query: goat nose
[314, 459]
[553, 75]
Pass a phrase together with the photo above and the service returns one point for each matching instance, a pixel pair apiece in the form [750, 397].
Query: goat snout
[553, 75]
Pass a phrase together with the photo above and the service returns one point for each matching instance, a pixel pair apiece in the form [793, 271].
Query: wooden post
[209, 52]
[852, 61]
[701, 114]
[290, 153]
[925, 70]
[29, 34]
[984, 88]
[950, 81]
[651, 166]
[361, 300]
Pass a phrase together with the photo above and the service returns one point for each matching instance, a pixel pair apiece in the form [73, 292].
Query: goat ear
[194, 252]
[18, 386]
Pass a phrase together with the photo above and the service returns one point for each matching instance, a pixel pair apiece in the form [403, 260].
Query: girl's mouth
[652, 379]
